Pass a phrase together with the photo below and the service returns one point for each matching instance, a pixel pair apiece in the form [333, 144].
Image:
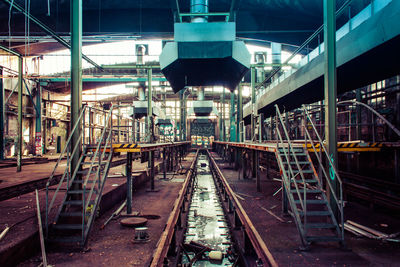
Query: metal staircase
[83, 186]
[313, 213]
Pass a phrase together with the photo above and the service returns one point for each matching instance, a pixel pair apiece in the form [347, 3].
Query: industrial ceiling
[284, 21]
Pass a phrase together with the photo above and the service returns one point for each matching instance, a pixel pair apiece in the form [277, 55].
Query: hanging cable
[48, 8]
[9, 29]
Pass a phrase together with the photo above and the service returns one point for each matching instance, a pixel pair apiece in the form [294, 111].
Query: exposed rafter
[46, 29]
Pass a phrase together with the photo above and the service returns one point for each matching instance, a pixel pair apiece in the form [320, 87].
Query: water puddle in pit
[206, 222]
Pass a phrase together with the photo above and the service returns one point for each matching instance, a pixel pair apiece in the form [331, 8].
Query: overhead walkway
[367, 51]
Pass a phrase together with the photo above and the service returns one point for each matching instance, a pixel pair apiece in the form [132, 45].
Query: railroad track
[182, 241]
[374, 191]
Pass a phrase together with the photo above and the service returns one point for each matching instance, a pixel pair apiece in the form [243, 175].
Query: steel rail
[166, 237]
[259, 245]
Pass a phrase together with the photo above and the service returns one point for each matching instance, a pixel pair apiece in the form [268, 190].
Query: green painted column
[128, 170]
[223, 115]
[232, 127]
[76, 78]
[220, 119]
[184, 129]
[2, 118]
[150, 131]
[20, 95]
[181, 122]
[330, 87]
[239, 114]
[358, 113]
[38, 122]
[149, 106]
[253, 100]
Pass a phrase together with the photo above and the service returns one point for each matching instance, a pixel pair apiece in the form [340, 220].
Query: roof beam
[11, 51]
[49, 31]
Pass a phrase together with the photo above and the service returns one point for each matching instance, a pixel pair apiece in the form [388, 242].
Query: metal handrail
[291, 150]
[66, 148]
[338, 13]
[339, 202]
[85, 203]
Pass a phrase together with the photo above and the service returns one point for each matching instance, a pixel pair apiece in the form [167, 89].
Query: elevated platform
[142, 147]
[352, 146]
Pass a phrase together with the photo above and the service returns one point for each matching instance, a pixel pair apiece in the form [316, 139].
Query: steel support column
[164, 164]
[149, 106]
[261, 126]
[220, 119]
[253, 101]
[181, 96]
[2, 117]
[20, 95]
[232, 128]
[76, 79]
[258, 175]
[223, 115]
[358, 114]
[239, 154]
[38, 121]
[330, 85]
[128, 169]
[239, 116]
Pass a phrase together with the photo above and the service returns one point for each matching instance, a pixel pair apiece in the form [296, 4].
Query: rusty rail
[258, 244]
[164, 242]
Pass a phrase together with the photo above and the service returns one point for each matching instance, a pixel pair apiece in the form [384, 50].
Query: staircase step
[292, 148]
[95, 164]
[85, 171]
[74, 192]
[312, 201]
[320, 225]
[303, 171]
[291, 152]
[311, 191]
[323, 238]
[73, 202]
[81, 181]
[68, 226]
[65, 239]
[71, 214]
[315, 213]
[308, 181]
[300, 162]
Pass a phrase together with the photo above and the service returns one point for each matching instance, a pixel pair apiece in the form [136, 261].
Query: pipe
[199, 6]
[142, 96]
[351, 102]
[200, 94]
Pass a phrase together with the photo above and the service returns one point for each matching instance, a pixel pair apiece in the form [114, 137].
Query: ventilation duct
[204, 53]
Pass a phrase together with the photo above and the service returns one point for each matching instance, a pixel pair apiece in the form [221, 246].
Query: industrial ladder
[308, 201]
[83, 185]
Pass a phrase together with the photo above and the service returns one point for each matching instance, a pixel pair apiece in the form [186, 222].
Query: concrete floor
[282, 238]
[112, 246]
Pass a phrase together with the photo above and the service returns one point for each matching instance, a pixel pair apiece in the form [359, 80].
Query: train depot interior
[199, 133]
